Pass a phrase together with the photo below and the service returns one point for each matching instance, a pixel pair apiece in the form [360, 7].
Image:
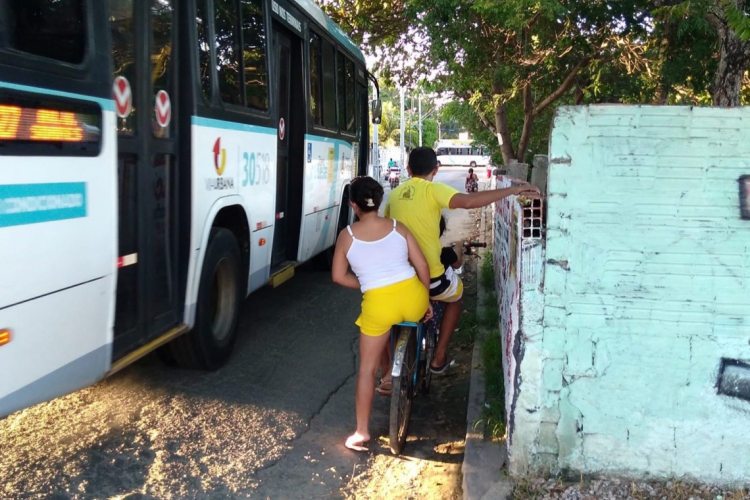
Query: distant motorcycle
[393, 179]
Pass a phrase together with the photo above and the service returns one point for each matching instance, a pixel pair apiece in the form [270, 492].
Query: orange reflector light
[4, 337]
[261, 242]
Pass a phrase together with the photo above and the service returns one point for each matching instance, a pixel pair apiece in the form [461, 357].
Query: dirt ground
[430, 465]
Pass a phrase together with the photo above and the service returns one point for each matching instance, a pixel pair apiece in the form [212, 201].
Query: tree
[490, 53]
[726, 23]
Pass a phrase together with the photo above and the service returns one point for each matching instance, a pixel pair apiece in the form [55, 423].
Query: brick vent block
[533, 229]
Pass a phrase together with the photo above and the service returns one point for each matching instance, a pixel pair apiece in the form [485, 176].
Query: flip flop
[385, 388]
[355, 444]
[441, 369]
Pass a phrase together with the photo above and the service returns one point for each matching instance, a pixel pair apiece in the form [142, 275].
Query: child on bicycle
[394, 289]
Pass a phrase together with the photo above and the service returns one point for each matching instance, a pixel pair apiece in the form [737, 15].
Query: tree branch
[564, 86]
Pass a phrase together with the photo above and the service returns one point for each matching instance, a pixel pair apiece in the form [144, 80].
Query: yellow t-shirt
[417, 204]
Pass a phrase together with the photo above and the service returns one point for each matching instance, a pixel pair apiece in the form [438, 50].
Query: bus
[159, 161]
[451, 153]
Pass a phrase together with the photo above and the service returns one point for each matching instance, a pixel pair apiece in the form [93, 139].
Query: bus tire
[438, 163]
[209, 344]
[473, 164]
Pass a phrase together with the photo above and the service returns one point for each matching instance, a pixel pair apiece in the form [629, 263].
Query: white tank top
[382, 262]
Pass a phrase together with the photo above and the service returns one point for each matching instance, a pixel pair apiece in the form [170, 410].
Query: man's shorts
[389, 305]
[447, 288]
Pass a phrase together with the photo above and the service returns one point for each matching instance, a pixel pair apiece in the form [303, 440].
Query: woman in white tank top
[394, 278]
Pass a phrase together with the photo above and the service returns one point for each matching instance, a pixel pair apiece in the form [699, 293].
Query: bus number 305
[257, 169]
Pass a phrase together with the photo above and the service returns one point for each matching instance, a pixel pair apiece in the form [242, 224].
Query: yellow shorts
[389, 305]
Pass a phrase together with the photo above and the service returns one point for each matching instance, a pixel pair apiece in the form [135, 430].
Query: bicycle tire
[402, 393]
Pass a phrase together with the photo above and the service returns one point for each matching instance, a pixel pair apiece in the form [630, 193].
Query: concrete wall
[632, 354]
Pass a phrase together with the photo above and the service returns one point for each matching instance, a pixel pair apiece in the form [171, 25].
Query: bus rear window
[55, 29]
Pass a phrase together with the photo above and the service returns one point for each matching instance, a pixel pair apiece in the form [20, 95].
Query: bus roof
[322, 18]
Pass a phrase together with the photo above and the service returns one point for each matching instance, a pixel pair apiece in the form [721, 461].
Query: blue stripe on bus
[22, 204]
[242, 127]
[106, 104]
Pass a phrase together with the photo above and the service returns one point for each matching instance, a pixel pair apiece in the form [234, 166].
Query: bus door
[290, 139]
[144, 89]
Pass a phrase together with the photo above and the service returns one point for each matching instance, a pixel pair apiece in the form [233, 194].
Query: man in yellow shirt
[418, 204]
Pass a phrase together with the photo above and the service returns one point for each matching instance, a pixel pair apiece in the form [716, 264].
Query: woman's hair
[442, 225]
[366, 193]
[471, 170]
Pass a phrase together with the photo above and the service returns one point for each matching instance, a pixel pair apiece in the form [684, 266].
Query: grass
[491, 350]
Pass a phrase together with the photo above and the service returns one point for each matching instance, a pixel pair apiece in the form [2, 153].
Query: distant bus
[461, 154]
[159, 161]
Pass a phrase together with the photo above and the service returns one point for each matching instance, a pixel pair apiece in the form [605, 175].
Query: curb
[484, 460]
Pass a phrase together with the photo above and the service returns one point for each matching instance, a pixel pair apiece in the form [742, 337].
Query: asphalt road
[271, 424]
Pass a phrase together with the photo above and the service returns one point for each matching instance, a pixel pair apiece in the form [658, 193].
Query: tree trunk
[528, 123]
[733, 61]
[502, 127]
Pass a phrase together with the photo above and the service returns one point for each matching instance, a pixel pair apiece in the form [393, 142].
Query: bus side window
[329, 85]
[56, 30]
[341, 86]
[204, 48]
[316, 70]
[350, 108]
[227, 51]
[123, 54]
[254, 45]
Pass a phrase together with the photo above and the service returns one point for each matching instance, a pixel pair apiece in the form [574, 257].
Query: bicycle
[412, 347]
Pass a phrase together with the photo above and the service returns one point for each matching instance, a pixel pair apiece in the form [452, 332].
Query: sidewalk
[483, 477]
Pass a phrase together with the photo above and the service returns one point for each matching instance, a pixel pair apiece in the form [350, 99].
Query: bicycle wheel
[403, 388]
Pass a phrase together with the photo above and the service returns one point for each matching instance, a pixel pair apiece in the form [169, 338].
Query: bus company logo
[220, 157]
[220, 162]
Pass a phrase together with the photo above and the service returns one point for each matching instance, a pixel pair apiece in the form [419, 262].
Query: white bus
[159, 161]
[459, 154]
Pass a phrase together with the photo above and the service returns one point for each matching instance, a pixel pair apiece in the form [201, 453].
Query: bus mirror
[377, 111]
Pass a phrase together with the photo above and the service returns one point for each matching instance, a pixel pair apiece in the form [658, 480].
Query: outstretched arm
[484, 198]
[340, 268]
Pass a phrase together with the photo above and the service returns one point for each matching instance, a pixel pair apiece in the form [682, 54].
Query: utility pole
[375, 152]
[401, 142]
[420, 119]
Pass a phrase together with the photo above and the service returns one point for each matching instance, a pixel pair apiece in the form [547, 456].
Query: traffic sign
[282, 126]
[163, 108]
[123, 96]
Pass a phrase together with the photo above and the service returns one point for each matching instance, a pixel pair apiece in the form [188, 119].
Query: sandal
[441, 369]
[384, 388]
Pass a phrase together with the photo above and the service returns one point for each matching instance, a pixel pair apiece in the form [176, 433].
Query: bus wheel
[438, 164]
[473, 164]
[209, 344]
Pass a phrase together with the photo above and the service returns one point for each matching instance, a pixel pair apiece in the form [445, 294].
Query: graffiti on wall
[508, 286]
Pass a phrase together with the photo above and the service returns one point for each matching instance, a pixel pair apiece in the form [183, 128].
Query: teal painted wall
[646, 288]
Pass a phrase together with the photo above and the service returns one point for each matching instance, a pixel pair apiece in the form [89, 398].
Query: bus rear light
[4, 337]
[261, 242]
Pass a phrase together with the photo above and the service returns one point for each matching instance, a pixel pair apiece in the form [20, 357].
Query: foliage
[508, 64]
[693, 31]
